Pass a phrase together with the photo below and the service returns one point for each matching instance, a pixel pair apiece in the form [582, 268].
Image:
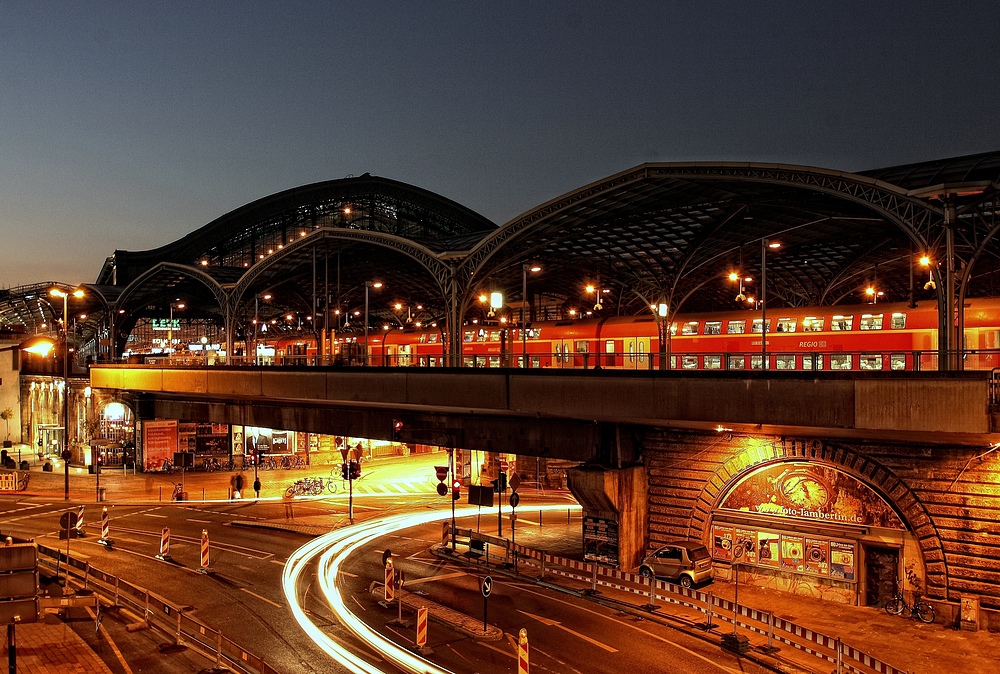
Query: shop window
[713, 362]
[809, 364]
[784, 361]
[713, 327]
[736, 327]
[786, 325]
[841, 361]
[897, 361]
[689, 362]
[690, 328]
[813, 324]
[871, 321]
[867, 361]
[757, 323]
[737, 362]
[842, 323]
[898, 321]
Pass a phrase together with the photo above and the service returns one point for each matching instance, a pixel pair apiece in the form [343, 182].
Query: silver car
[684, 562]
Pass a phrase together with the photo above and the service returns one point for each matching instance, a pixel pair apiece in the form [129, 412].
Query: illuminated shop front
[814, 530]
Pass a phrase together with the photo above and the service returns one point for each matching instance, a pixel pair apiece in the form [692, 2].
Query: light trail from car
[332, 549]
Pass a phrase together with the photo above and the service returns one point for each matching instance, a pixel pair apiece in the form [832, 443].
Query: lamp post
[525, 268]
[66, 454]
[368, 284]
[764, 245]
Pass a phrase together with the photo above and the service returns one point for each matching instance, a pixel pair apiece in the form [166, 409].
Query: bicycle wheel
[895, 606]
[291, 492]
[331, 486]
[924, 612]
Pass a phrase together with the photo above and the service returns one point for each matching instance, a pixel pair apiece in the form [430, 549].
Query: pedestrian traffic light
[496, 485]
[456, 490]
[344, 472]
[397, 430]
[503, 482]
[354, 469]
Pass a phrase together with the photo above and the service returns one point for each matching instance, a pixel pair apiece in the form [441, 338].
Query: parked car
[686, 562]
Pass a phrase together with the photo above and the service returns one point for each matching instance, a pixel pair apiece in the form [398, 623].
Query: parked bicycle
[307, 486]
[178, 493]
[920, 610]
[167, 467]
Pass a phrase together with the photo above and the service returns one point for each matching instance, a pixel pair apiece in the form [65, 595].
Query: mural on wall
[811, 492]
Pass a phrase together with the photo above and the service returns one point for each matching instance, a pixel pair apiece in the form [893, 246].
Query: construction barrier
[204, 551]
[421, 627]
[79, 523]
[522, 651]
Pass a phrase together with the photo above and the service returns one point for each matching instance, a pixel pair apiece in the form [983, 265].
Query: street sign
[514, 482]
[487, 586]
[442, 489]
[514, 500]
[441, 472]
[503, 464]
[68, 520]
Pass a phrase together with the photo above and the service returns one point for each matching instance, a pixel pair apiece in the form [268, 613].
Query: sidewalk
[54, 648]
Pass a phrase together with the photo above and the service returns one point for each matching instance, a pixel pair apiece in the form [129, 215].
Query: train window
[786, 325]
[469, 337]
[737, 362]
[898, 321]
[468, 361]
[868, 361]
[494, 361]
[784, 361]
[432, 338]
[755, 362]
[609, 346]
[690, 328]
[807, 362]
[813, 324]
[536, 362]
[713, 362]
[535, 333]
[582, 346]
[841, 323]
[494, 335]
[713, 327]
[840, 361]
[422, 339]
[480, 361]
[689, 362]
[871, 322]
[755, 327]
[481, 335]
[897, 361]
[673, 329]
[736, 327]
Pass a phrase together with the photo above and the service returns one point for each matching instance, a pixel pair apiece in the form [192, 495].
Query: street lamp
[764, 245]
[170, 325]
[66, 454]
[525, 268]
[368, 284]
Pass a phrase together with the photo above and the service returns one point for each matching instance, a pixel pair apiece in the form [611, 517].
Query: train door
[636, 351]
[390, 352]
[563, 353]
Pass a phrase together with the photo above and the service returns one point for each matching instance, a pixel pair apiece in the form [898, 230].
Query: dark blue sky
[128, 125]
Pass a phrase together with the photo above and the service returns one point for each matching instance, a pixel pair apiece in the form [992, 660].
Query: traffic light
[344, 472]
[397, 430]
[496, 485]
[503, 482]
[354, 469]
[456, 490]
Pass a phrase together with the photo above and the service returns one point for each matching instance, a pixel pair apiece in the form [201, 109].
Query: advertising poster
[600, 540]
[817, 556]
[722, 543]
[279, 442]
[791, 553]
[746, 540]
[159, 442]
[842, 560]
[767, 549]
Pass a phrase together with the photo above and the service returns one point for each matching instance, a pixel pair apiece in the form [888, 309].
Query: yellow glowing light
[589, 288]
[733, 276]
[925, 261]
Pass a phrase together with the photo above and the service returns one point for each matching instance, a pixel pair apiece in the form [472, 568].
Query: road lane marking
[431, 579]
[555, 623]
[254, 594]
[154, 515]
[200, 521]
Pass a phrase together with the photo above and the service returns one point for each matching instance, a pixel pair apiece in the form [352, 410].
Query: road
[244, 595]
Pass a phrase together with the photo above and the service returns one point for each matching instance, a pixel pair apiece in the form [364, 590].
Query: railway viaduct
[896, 470]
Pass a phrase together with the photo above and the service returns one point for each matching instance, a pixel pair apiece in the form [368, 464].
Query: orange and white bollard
[105, 539]
[390, 579]
[522, 652]
[422, 632]
[204, 552]
[165, 546]
[79, 523]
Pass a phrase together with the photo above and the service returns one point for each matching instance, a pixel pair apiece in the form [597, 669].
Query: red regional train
[861, 337]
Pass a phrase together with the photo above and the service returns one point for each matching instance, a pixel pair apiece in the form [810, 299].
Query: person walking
[239, 485]
[256, 487]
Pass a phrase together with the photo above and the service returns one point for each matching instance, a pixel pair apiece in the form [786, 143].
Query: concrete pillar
[618, 494]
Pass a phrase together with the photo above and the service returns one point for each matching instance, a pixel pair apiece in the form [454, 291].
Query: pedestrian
[256, 487]
[287, 500]
[232, 486]
[239, 485]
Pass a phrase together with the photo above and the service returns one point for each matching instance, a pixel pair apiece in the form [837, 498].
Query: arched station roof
[664, 232]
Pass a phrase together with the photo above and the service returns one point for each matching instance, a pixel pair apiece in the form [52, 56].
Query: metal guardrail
[846, 658]
[158, 613]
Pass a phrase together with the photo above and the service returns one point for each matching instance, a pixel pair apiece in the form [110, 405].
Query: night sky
[129, 125]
